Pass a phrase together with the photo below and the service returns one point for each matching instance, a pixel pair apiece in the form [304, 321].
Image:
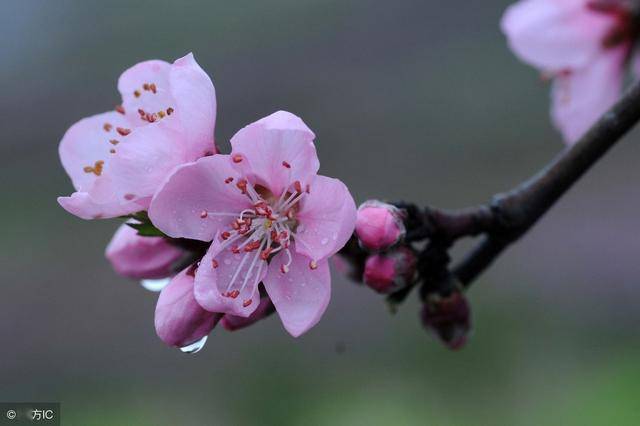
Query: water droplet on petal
[194, 347]
[155, 285]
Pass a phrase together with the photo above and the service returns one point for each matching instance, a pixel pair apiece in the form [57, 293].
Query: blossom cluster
[227, 238]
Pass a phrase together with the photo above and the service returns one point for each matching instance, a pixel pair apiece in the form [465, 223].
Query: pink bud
[134, 256]
[179, 319]
[388, 272]
[379, 225]
[449, 318]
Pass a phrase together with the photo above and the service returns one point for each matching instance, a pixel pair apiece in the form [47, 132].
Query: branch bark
[515, 212]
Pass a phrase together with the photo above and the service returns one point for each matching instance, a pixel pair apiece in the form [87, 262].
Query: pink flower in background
[583, 45]
[134, 256]
[271, 219]
[117, 159]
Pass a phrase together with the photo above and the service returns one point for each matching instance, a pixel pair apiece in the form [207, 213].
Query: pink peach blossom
[271, 219]
[117, 159]
[134, 256]
[582, 45]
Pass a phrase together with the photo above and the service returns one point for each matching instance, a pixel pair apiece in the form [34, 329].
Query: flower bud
[179, 319]
[234, 322]
[386, 273]
[135, 256]
[449, 318]
[379, 225]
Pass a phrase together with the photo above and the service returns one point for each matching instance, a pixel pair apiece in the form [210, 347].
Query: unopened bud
[449, 318]
[386, 273]
[379, 225]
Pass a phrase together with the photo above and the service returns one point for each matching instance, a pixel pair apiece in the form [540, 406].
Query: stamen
[313, 265]
[287, 165]
[107, 127]
[298, 186]
[129, 197]
[214, 263]
[123, 131]
[120, 109]
[242, 186]
[169, 111]
[136, 93]
[252, 246]
[113, 151]
[204, 214]
[228, 180]
[246, 303]
[96, 169]
[235, 275]
[237, 158]
[114, 142]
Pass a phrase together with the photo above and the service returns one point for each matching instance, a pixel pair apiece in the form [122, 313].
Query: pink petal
[99, 203]
[87, 142]
[144, 159]
[179, 319]
[195, 99]
[276, 151]
[181, 95]
[301, 295]
[134, 256]
[580, 98]
[135, 96]
[327, 218]
[555, 35]
[233, 323]
[178, 206]
[221, 272]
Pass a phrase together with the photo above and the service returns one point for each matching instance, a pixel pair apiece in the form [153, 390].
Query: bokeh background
[413, 99]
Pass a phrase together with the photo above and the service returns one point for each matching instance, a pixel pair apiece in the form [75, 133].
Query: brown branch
[514, 212]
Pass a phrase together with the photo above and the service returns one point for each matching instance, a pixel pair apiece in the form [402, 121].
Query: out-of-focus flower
[233, 322]
[379, 225]
[391, 271]
[449, 318]
[179, 319]
[117, 159]
[134, 256]
[272, 219]
[583, 45]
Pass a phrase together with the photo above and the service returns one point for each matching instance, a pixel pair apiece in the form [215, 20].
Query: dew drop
[155, 285]
[194, 347]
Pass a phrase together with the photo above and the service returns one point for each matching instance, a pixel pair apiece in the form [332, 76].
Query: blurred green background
[418, 100]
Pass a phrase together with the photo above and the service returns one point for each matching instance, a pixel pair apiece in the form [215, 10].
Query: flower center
[259, 232]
